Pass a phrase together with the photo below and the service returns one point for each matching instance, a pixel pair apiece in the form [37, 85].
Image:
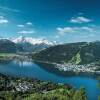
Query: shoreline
[89, 68]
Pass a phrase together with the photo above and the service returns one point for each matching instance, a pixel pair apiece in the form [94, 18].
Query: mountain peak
[33, 41]
[30, 44]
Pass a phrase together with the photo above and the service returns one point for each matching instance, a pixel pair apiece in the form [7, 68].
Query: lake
[48, 72]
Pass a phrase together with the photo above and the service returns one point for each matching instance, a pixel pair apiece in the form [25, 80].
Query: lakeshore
[12, 88]
[89, 68]
[20, 71]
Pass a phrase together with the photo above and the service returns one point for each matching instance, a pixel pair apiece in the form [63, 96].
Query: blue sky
[60, 20]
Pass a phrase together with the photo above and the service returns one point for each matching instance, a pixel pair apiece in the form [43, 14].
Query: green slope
[76, 53]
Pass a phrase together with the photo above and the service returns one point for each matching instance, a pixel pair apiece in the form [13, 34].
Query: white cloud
[90, 29]
[80, 19]
[26, 32]
[9, 9]
[21, 26]
[24, 25]
[29, 23]
[3, 20]
[66, 30]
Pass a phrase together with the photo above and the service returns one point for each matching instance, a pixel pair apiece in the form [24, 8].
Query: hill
[7, 46]
[75, 53]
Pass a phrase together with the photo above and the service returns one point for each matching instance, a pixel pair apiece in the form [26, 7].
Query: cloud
[26, 32]
[90, 29]
[9, 9]
[64, 30]
[29, 23]
[21, 26]
[67, 30]
[24, 25]
[3, 20]
[80, 19]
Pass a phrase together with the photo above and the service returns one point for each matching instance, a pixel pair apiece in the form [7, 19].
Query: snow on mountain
[30, 44]
[33, 41]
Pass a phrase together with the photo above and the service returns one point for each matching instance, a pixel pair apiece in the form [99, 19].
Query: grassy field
[7, 54]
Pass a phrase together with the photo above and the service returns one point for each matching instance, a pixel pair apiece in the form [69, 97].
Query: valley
[58, 63]
[49, 49]
[76, 57]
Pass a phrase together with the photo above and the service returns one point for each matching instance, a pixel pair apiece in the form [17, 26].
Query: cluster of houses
[77, 68]
[23, 87]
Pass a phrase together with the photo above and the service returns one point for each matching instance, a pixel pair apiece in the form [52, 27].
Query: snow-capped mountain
[33, 41]
[30, 44]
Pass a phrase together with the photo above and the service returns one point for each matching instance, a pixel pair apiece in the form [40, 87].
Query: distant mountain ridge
[75, 53]
[24, 44]
[30, 44]
[22, 39]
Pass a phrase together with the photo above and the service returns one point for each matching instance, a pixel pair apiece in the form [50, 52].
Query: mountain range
[24, 44]
[44, 50]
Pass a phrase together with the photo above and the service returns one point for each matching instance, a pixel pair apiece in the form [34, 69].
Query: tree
[80, 94]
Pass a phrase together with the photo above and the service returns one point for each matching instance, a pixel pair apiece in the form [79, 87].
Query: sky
[58, 20]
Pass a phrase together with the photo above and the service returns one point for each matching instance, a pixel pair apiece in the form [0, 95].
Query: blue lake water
[49, 73]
